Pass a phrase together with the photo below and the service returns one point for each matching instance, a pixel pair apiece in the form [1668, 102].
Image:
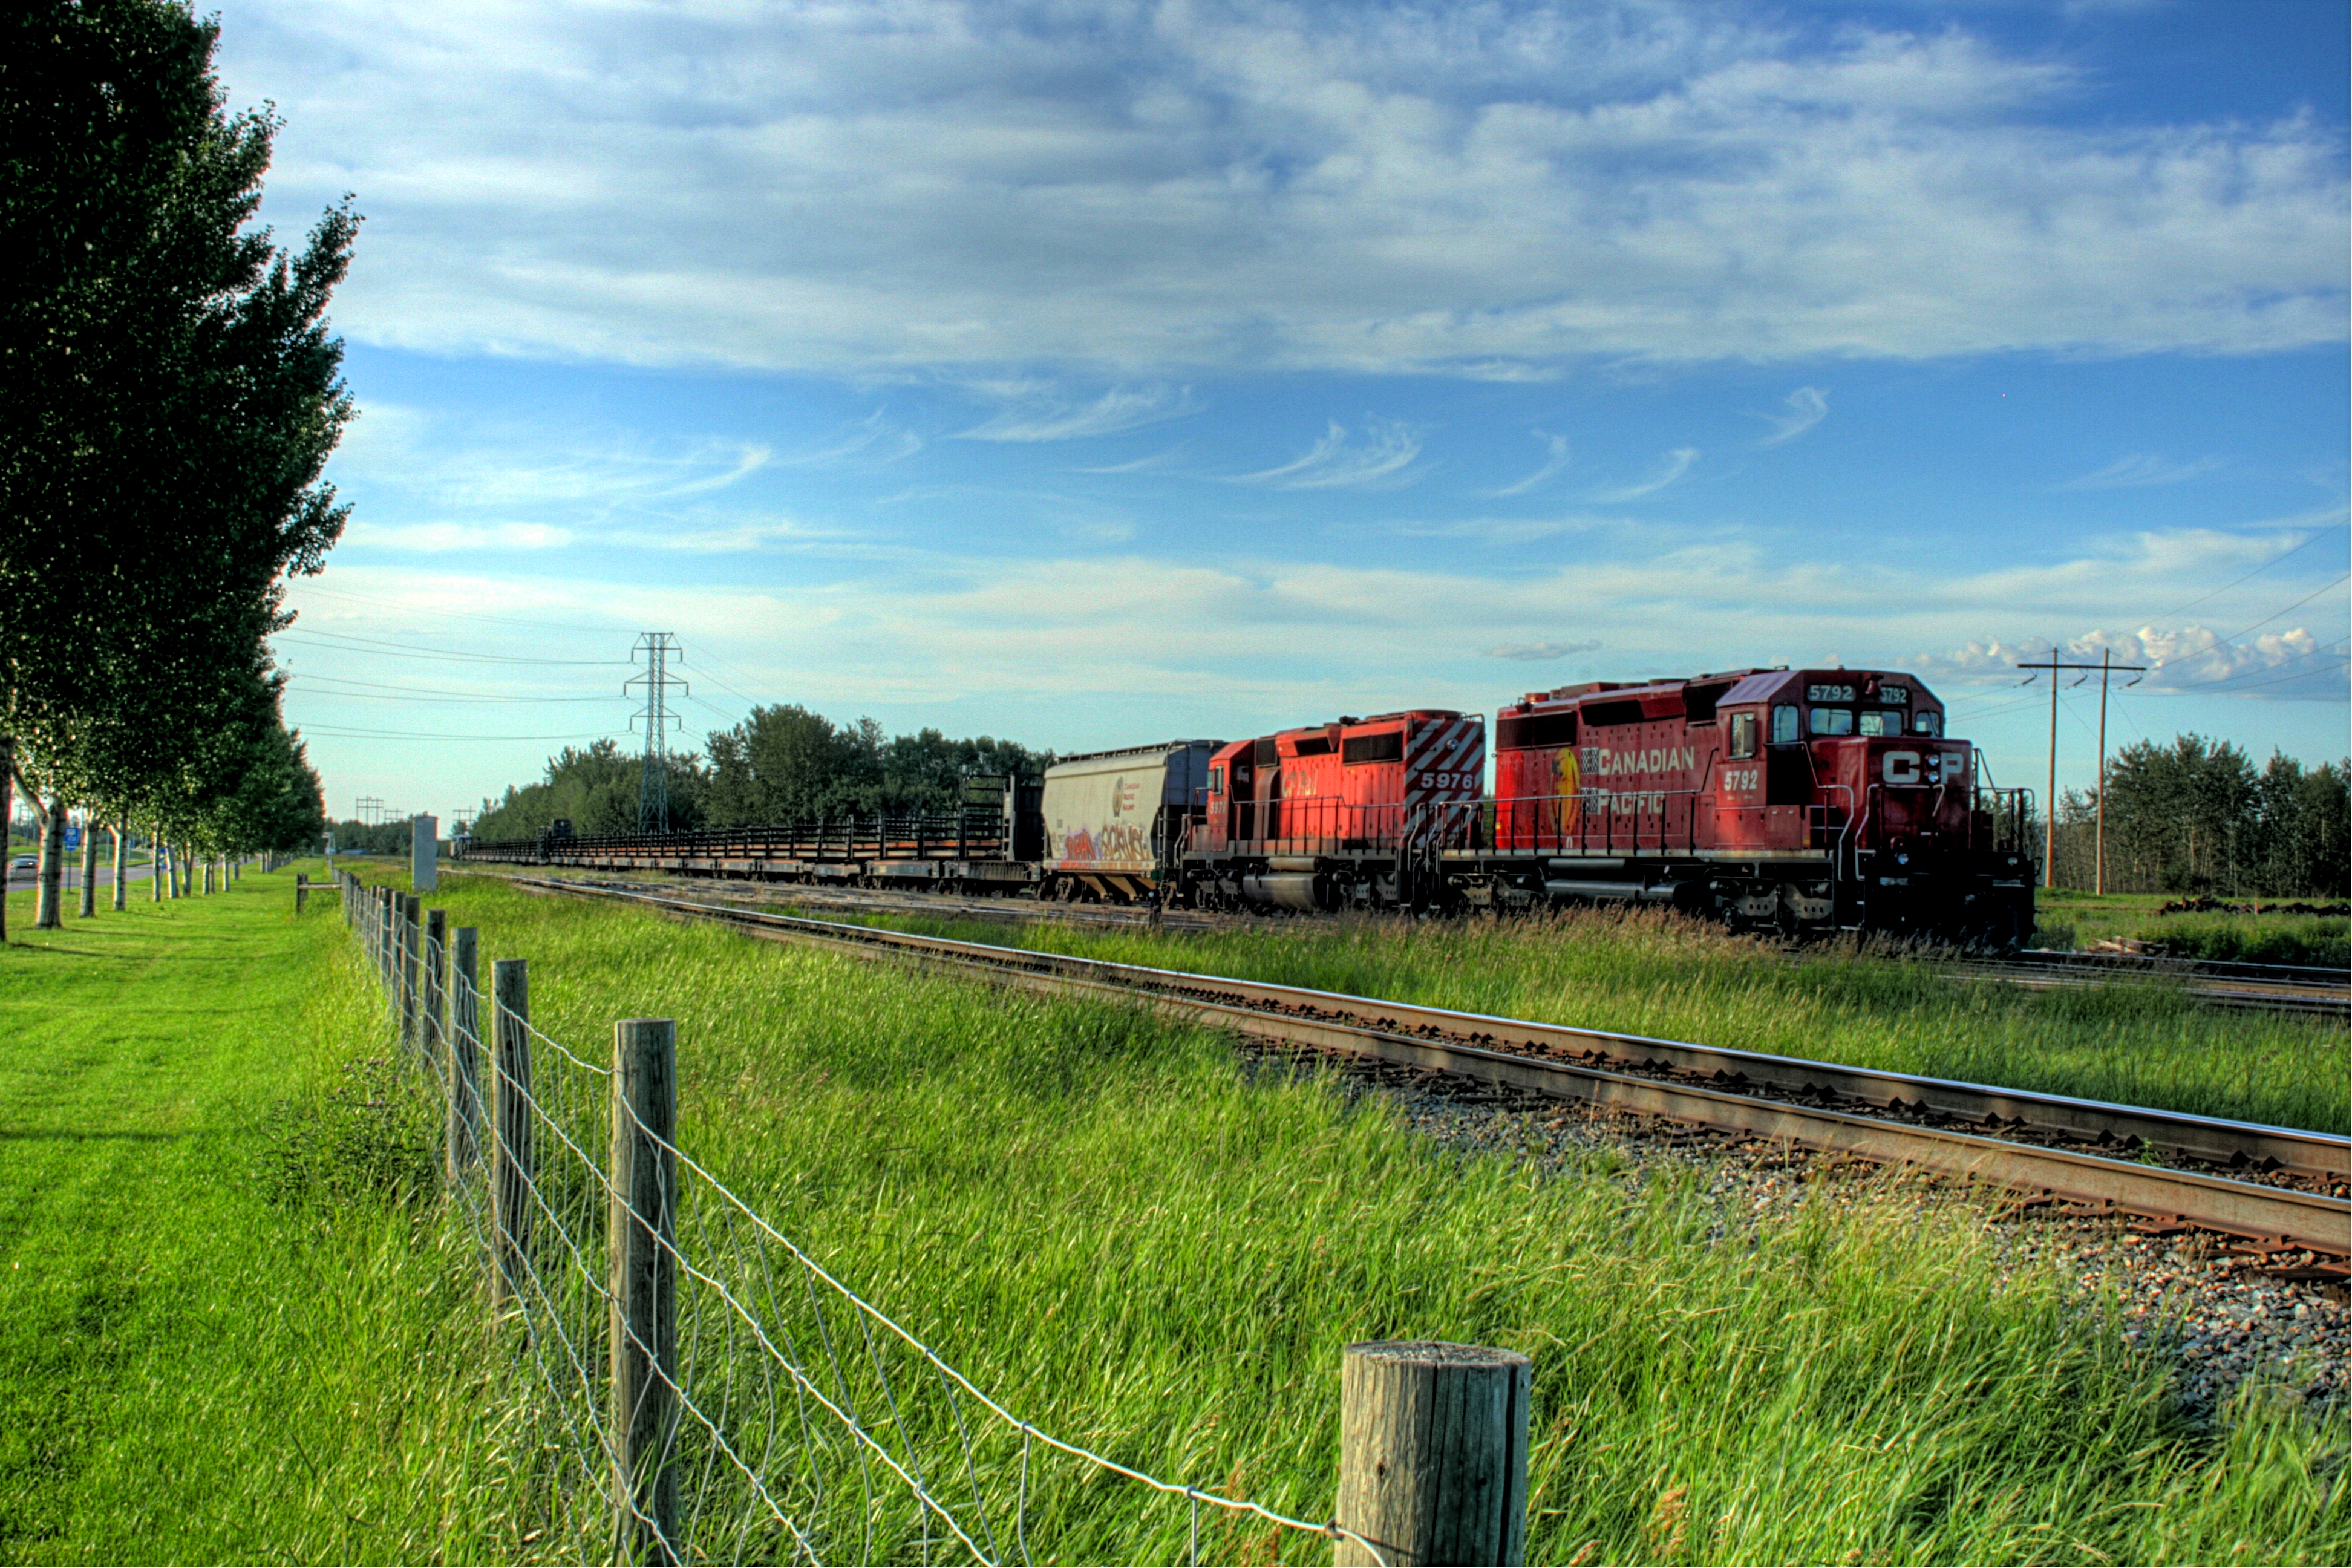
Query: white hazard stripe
[1445, 760]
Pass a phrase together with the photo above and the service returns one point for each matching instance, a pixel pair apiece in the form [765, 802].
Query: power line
[341, 733]
[415, 650]
[2299, 603]
[2251, 575]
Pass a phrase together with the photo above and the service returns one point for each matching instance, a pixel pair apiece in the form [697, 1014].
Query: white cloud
[1671, 468]
[1383, 462]
[2141, 468]
[876, 189]
[1532, 652]
[2191, 658]
[1121, 408]
[1804, 408]
[874, 437]
[1560, 458]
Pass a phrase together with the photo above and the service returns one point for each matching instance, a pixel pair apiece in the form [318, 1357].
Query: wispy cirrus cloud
[1670, 469]
[1121, 408]
[875, 437]
[1383, 461]
[1539, 652]
[2141, 468]
[1802, 410]
[1557, 458]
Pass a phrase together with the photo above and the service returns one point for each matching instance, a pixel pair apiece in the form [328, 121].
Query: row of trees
[784, 763]
[169, 395]
[2196, 815]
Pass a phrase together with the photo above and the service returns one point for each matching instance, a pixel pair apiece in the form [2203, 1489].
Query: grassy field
[2072, 920]
[1107, 1223]
[229, 1331]
[237, 1326]
[1652, 973]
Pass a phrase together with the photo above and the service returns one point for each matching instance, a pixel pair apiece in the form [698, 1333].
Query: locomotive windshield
[1832, 721]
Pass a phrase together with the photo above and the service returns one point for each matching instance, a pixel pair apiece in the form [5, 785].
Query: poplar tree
[169, 391]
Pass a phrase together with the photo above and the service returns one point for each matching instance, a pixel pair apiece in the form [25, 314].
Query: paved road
[22, 881]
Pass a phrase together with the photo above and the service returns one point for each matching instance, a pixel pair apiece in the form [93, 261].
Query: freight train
[1798, 801]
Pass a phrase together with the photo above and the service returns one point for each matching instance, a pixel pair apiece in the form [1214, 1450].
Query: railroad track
[2284, 1195]
[2273, 987]
[2256, 987]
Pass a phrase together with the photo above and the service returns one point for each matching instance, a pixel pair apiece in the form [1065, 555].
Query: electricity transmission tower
[658, 650]
[371, 808]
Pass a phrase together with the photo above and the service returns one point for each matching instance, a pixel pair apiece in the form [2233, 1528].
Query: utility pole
[658, 649]
[2107, 666]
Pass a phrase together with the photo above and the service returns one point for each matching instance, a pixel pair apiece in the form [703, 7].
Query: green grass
[1655, 975]
[2075, 920]
[235, 1325]
[229, 1328]
[1110, 1225]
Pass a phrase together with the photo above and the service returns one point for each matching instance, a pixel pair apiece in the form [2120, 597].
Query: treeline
[2196, 817]
[170, 397]
[784, 763]
[353, 837]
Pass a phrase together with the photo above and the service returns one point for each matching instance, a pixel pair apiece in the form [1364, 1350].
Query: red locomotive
[1806, 800]
[1342, 815]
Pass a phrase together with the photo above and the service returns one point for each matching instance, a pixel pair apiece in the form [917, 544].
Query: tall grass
[1106, 1222]
[232, 1325]
[1654, 973]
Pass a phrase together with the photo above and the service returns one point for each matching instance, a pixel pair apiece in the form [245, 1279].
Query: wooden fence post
[301, 890]
[436, 957]
[510, 1142]
[643, 1314]
[461, 1142]
[1433, 1452]
[410, 956]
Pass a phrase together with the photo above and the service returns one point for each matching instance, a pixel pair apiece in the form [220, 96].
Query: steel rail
[1566, 1062]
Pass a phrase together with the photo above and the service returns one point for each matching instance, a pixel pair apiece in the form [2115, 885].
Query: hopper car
[1799, 801]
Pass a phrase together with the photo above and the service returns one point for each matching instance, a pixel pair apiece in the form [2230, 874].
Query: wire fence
[705, 1390]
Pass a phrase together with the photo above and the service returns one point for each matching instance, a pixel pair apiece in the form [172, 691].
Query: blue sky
[1092, 375]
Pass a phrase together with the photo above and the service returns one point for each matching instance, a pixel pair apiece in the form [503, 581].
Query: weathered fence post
[643, 1314]
[301, 891]
[511, 1139]
[461, 1142]
[436, 955]
[406, 935]
[1433, 1452]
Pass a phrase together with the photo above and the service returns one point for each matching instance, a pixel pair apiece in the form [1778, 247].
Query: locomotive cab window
[1743, 735]
[1784, 726]
[1832, 721]
[1877, 722]
[1217, 780]
[1928, 724]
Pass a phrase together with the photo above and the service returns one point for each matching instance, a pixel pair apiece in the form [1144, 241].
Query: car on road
[21, 863]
